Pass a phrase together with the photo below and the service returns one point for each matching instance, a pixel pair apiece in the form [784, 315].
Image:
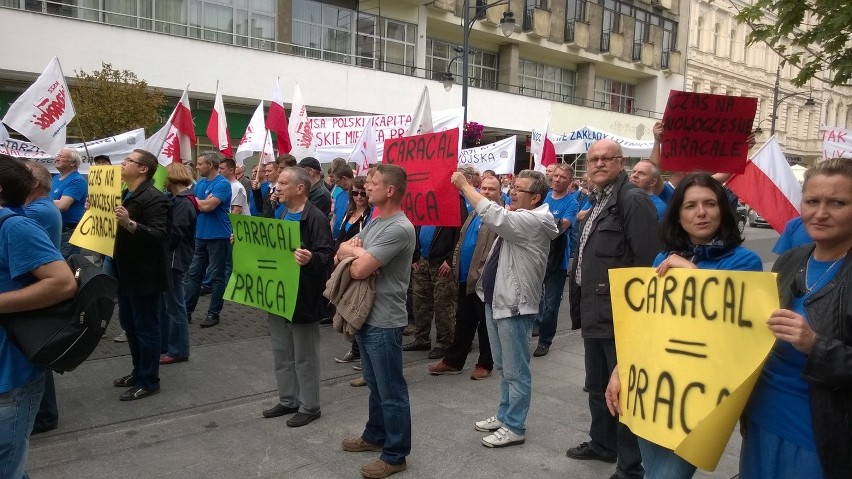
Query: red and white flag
[301, 136]
[217, 128]
[42, 113]
[542, 148]
[276, 120]
[174, 141]
[256, 138]
[769, 186]
[364, 153]
[421, 120]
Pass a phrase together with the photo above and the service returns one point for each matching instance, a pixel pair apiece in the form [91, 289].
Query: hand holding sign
[96, 230]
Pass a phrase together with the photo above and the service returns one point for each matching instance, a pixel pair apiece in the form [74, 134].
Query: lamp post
[507, 26]
[776, 101]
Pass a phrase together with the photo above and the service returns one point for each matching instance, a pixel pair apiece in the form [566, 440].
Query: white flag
[268, 153]
[173, 142]
[421, 120]
[255, 139]
[364, 153]
[301, 136]
[42, 113]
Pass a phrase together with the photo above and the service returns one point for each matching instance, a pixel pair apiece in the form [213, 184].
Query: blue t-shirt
[506, 199]
[567, 208]
[74, 186]
[341, 204]
[660, 205]
[215, 224]
[667, 193]
[467, 247]
[279, 210]
[293, 216]
[427, 234]
[24, 246]
[264, 193]
[794, 235]
[781, 380]
[44, 212]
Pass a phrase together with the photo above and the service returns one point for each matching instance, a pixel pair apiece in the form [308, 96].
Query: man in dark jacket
[318, 194]
[620, 231]
[141, 262]
[295, 342]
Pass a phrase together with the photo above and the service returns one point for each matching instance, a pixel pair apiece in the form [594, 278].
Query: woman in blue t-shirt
[32, 276]
[699, 230]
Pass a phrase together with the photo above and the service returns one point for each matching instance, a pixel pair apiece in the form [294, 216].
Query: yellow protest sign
[96, 230]
[690, 347]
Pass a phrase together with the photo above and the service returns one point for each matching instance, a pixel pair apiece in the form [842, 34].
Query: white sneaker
[489, 425]
[502, 438]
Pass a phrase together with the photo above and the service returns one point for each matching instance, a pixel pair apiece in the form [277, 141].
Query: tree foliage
[812, 35]
[109, 102]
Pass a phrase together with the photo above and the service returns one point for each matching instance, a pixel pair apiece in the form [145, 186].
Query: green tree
[812, 35]
[109, 102]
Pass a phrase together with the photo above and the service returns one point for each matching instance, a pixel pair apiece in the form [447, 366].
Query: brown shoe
[358, 444]
[379, 469]
[358, 382]
[479, 373]
[442, 368]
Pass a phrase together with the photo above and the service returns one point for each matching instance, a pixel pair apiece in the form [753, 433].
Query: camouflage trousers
[434, 297]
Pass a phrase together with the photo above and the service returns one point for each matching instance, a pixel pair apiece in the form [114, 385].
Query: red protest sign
[429, 160]
[704, 132]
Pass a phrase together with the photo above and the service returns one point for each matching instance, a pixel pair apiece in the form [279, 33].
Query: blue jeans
[138, 318]
[663, 463]
[174, 328]
[389, 422]
[18, 409]
[48, 410]
[511, 352]
[213, 252]
[548, 310]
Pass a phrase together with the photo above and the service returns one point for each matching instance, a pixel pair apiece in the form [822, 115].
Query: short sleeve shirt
[48, 216]
[74, 186]
[239, 197]
[215, 224]
[390, 240]
[341, 204]
[564, 208]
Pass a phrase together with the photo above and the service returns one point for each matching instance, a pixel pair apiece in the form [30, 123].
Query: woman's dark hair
[16, 181]
[357, 182]
[672, 233]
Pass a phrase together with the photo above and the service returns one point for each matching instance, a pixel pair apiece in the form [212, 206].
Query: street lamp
[507, 26]
[776, 102]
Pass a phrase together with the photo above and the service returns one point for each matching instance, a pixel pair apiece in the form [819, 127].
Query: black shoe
[437, 353]
[210, 320]
[40, 429]
[279, 410]
[125, 381]
[326, 320]
[416, 346]
[204, 291]
[585, 452]
[541, 350]
[302, 419]
[135, 393]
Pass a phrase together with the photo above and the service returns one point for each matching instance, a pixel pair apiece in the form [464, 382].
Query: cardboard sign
[429, 160]
[96, 230]
[266, 275]
[706, 132]
[690, 348]
[836, 142]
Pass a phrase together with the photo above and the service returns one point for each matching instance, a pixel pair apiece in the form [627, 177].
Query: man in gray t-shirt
[384, 248]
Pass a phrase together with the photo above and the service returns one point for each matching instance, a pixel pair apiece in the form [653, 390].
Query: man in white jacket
[510, 287]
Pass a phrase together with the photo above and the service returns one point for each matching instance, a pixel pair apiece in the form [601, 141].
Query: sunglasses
[362, 193]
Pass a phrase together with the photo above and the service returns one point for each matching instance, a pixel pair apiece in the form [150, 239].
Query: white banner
[579, 141]
[115, 147]
[836, 142]
[498, 156]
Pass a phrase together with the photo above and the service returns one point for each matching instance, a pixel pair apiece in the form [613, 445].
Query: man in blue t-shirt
[212, 237]
[564, 207]
[647, 176]
[340, 197]
[69, 192]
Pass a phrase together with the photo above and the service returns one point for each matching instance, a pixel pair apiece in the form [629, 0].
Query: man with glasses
[69, 192]
[620, 231]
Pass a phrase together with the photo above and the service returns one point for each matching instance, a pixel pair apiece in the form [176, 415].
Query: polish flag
[43, 111]
[276, 120]
[299, 127]
[364, 154]
[217, 128]
[256, 138]
[769, 186]
[174, 141]
[542, 148]
[421, 120]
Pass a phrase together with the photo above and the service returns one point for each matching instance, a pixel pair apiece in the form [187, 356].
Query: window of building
[545, 81]
[614, 95]
[322, 31]
[717, 39]
[482, 66]
[385, 44]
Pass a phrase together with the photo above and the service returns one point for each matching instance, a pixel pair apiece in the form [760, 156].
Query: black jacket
[141, 258]
[316, 237]
[263, 203]
[345, 235]
[444, 242]
[828, 370]
[182, 234]
[320, 197]
[623, 235]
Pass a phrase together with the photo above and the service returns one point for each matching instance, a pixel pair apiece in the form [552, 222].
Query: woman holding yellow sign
[799, 418]
[699, 230]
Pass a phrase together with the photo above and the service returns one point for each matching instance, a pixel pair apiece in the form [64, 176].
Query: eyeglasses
[361, 193]
[128, 160]
[518, 190]
[605, 159]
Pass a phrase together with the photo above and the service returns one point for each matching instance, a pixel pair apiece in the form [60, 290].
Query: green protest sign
[265, 275]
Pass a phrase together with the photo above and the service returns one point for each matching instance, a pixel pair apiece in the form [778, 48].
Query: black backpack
[62, 336]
